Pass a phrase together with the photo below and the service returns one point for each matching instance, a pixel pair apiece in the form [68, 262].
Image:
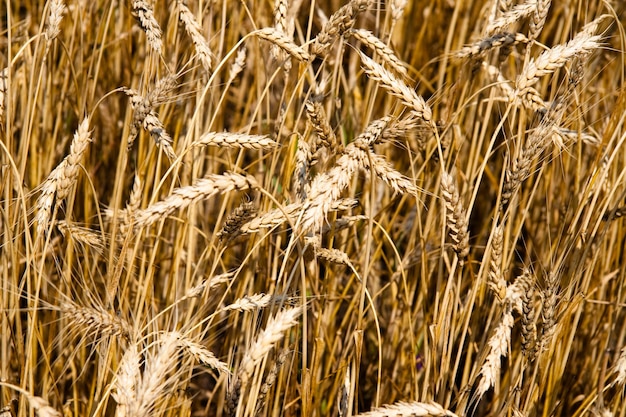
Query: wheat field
[312, 208]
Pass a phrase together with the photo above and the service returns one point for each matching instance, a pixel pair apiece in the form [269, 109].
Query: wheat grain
[250, 302]
[242, 214]
[127, 380]
[397, 9]
[202, 189]
[277, 217]
[202, 354]
[42, 407]
[620, 368]
[548, 311]
[496, 281]
[145, 15]
[325, 134]
[154, 380]
[412, 409]
[529, 328]
[238, 65]
[301, 177]
[195, 32]
[498, 348]
[96, 321]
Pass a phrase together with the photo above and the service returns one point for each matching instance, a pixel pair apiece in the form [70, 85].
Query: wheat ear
[281, 40]
[56, 9]
[538, 19]
[272, 333]
[499, 40]
[456, 215]
[202, 189]
[62, 178]
[398, 88]
[512, 15]
[381, 48]
[412, 409]
[195, 32]
[236, 140]
[145, 15]
[549, 61]
[498, 348]
[339, 22]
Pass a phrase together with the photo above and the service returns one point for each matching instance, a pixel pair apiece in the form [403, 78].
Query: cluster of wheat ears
[312, 208]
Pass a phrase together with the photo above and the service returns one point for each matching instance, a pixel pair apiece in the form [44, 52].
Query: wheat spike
[202, 189]
[538, 19]
[549, 61]
[56, 10]
[384, 52]
[195, 32]
[412, 409]
[398, 88]
[512, 15]
[236, 140]
[272, 333]
[62, 178]
[498, 348]
[499, 40]
[281, 40]
[456, 215]
[145, 15]
[340, 21]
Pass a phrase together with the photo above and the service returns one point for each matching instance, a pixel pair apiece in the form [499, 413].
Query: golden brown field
[312, 208]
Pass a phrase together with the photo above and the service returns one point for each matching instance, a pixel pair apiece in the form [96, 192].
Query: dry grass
[312, 208]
